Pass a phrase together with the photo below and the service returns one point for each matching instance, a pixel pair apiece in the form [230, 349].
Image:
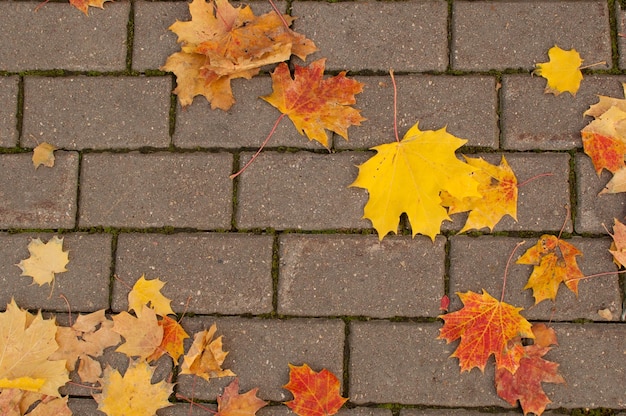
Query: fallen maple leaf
[545, 336]
[205, 357]
[133, 394]
[618, 248]
[408, 177]
[555, 262]
[604, 140]
[142, 335]
[43, 154]
[221, 43]
[172, 343]
[314, 104]
[525, 384]
[83, 5]
[562, 71]
[15, 402]
[314, 394]
[45, 260]
[498, 189]
[148, 292]
[26, 343]
[486, 326]
[616, 184]
[231, 403]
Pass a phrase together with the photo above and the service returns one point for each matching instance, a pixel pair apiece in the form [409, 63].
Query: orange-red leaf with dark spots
[172, 343]
[314, 394]
[314, 104]
[486, 326]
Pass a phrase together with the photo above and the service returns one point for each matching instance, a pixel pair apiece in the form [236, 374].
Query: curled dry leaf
[45, 260]
[314, 393]
[562, 71]
[206, 356]
[43, 154]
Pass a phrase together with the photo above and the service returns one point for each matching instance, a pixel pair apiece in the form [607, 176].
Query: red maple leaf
[314, 394]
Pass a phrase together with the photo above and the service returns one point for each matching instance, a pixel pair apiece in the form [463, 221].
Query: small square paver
[205, 272]
[38, 198]
[97, 112]
[58, 36]
[595, 213]
[465, 105]
[8, 111]
[156, 190]
[260, 351]
[532, 119]
[366, 35]
[301, 190]
[327, 275]
[85, 284]
[480, 263]
[510, 34]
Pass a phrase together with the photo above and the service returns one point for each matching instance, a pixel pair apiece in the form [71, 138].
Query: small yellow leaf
[148, 292]
[45, 260]
[44, 155]
[562, 71]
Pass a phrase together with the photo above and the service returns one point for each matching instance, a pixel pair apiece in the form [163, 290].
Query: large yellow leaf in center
[408, 176]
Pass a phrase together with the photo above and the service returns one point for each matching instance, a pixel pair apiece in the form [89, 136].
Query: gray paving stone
[405, 363]
[454, 412]
[83, 407]
[97, 112]
[478, 264]
[357, 411]
[246, 124]
[371, 37]
[261, 349]
[591, 359]
[59, 36]
[85, 284]
[155, 190]
[8, 111]
[358, 275]
[509, 34]
[38, 198]
[465, 104]
[621, 29]
[205, 273]
[541, 202]
[594, 211]
[301, 190]
[532, 119]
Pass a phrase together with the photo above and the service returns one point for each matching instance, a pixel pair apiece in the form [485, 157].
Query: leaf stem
[69, 308]
[590, 65]
[267, 139]
[506, 269]
[595, 275]
[395, 105]
[565, 221]
[541, 175]
[280, 15]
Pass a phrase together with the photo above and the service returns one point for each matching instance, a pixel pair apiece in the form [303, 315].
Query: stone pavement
[280, 257]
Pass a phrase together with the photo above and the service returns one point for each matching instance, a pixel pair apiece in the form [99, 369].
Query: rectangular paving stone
[260, 351]
[38, 198]
[532, 119]
[58, 36]
[509, 34]
[97, 112]
[621, 28]
[246, 124]
[156, 189]
[359, 275]
[454, 412]
[83, 406]
[301, 190]
[479, 263]
[541, 202]
[344, 411]
[595, 212]
[368, 35]
[591, 359]
[405, 363]
[8, 111]
[85, 284]
[466, 105]
[205, 273]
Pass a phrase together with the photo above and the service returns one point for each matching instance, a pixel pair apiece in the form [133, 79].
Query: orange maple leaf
[314, 394]
[206, 356]
[314, 104]
[604, 140]
[525, 384]
[231, 403]
[486, 326]
[555, 262]
[172, 343]
[83, 5]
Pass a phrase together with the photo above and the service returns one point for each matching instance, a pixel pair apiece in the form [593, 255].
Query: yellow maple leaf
[498, 187]
[142, 336]
[562, 71]
[45, 260]
[133, 394]
[206, 356]
[408, 177]
[148, 292]
[26, 343]
[43, 154]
